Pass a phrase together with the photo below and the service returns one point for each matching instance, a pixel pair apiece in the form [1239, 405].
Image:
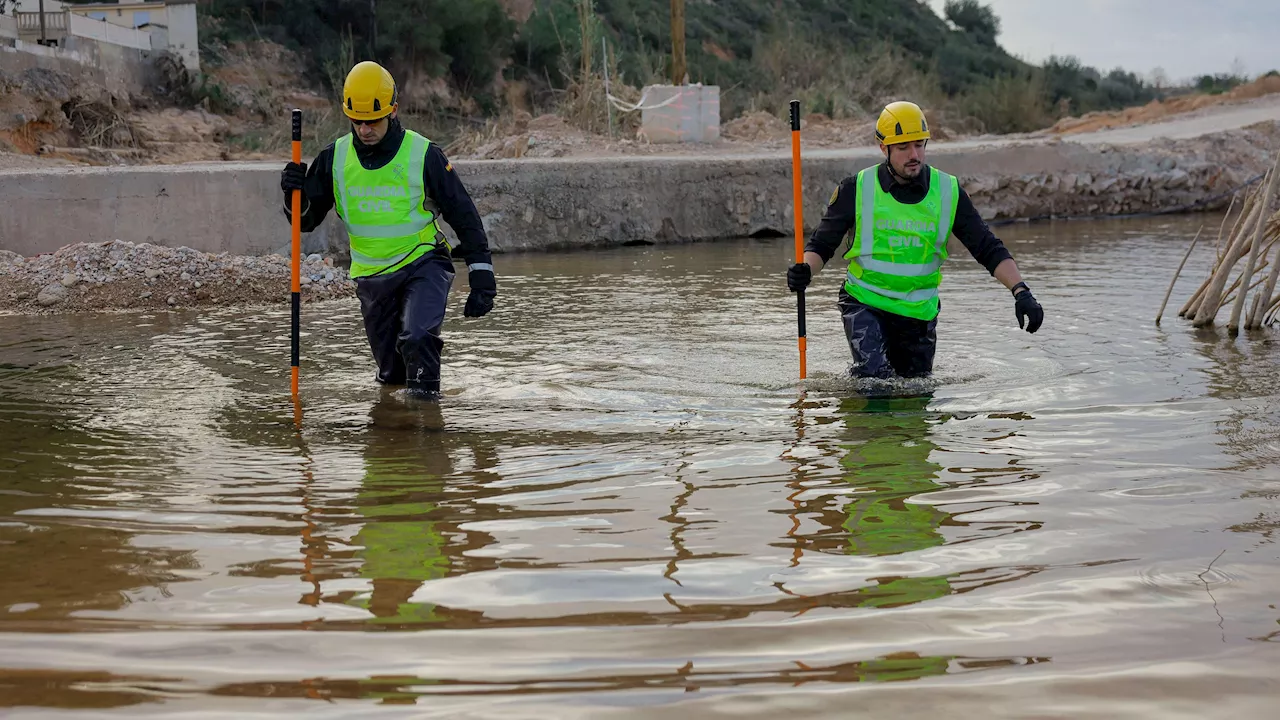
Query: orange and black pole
[295, 349]
[798, 200]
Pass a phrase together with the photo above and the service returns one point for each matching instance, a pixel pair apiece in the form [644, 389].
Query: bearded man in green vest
[391, 187]
[901, 213]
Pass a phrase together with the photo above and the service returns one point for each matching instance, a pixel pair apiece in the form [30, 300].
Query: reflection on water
[626, 504]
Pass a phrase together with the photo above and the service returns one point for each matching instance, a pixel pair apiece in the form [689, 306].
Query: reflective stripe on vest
[913, 296]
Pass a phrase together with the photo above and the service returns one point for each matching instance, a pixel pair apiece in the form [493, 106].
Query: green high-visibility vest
[895, 260]
[389, 217]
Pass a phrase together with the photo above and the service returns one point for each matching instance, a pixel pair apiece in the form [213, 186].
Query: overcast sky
[1185, 37]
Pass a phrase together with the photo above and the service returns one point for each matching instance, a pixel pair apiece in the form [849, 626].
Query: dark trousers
[884, 343]
[403, 312]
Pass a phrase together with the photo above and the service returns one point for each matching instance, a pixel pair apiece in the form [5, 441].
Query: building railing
[54, 22]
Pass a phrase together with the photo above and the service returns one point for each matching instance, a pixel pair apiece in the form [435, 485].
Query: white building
[156, 25]
[17, 6]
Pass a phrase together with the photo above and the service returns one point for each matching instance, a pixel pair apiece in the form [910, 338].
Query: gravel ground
[123, 276]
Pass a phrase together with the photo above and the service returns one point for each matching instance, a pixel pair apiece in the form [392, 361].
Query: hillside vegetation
[472, 67]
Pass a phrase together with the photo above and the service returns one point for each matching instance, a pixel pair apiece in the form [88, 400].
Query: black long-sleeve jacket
[841, 215]
[442, 184]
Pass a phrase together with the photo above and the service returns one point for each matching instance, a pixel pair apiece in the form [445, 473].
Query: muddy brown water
[625, 506]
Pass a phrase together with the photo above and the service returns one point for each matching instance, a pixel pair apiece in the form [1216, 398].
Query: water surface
[627, 504]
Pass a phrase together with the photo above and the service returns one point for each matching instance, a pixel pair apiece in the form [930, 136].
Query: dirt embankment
[241, 111]
[65, 116]
[1158, 110]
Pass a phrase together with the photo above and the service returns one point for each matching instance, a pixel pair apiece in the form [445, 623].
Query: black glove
[1028, 310]
[292, 177]
[484, 287]
[798, 276]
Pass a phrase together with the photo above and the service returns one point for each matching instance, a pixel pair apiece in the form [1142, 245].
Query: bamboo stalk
[1213, 295]
[1192, 305]
[1243, 221]
[1198, 300]
[1218, 252]
[1271, 314]
[1269, 291]
[1230, 297]
[1254, 308]
[1237, 243]
[1236, 285]
[1238, 310]
[1178, 272]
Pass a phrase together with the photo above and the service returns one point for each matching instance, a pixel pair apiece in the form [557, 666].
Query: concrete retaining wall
[573, 203]
[81, 26]
[122, 71]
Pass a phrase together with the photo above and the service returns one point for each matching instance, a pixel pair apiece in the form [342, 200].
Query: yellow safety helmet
[369, 92]
[901, 122]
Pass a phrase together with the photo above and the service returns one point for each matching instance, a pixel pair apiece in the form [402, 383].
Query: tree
[974, 18]
[1237, 69]
[1159, 78]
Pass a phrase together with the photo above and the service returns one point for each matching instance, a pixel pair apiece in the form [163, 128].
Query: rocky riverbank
[1156, 176]
[121, 275]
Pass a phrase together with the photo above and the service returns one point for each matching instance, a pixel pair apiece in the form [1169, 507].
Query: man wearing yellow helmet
[391, 187]
[901, 213]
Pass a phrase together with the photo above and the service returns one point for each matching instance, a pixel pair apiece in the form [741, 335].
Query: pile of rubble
[121, 276]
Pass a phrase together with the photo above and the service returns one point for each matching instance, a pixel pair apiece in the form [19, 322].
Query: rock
[315, 257]
[151, 273]
[198, 283]
[980, 186]
[304, 280]
[68, 279]
[145, 295]
[52, 295]
[172, 300]
[186, 275]
[9, 257]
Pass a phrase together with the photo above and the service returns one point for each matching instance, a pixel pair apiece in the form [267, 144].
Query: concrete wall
[119, 70]
[184, 36]
[106, 32]
[535, 204]
[159, 36]
[217, 208]
[126, 15]
[25, 55]
[8, 27]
